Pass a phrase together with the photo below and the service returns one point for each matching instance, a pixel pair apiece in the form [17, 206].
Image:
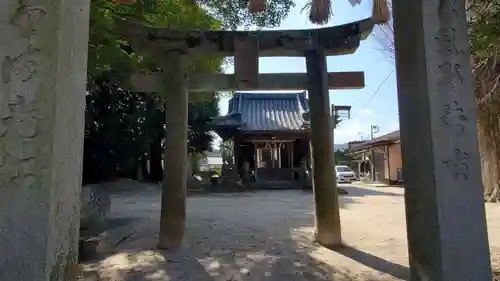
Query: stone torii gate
[43, 53]
[171, 47]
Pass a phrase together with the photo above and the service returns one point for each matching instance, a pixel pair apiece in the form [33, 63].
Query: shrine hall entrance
[274, 160]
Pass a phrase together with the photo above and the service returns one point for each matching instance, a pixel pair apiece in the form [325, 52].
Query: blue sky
[368, 107]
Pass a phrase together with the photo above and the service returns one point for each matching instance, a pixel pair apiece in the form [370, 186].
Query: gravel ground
[264, 236]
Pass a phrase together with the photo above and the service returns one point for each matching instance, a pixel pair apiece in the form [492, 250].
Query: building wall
[380, 163]
[387, 162]
[395, 160]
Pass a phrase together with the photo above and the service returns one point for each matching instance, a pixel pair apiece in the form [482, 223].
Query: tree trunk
[486, 89]
[489, 146]
[144, 168]
[155, 167]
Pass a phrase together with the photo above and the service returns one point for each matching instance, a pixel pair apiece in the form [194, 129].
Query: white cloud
[359, 128]
[354, 129]
[390, 127]
[350, 130]
[366, 111]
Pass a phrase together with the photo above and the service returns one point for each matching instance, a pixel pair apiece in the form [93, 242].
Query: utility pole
[373, 130]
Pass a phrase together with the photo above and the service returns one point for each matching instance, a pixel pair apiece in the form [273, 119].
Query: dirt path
[267, 236]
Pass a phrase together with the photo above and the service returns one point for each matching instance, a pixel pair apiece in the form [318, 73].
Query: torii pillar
[446, 224]
[43, 55]
[173, 198]
[327, 212]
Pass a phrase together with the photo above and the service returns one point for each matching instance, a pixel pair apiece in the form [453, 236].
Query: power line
[374, 93]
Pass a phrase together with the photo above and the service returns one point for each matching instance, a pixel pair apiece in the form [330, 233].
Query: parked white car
[345, 174]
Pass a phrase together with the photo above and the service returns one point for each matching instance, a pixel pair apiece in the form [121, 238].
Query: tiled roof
[270, 111]
[387, 138]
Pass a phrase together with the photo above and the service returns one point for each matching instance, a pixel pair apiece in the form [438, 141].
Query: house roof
[270, 111]
[384, 139]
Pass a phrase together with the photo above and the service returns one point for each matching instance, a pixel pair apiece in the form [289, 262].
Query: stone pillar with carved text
[446, 226]
[324, 183]
[173, 202]
[43, 55]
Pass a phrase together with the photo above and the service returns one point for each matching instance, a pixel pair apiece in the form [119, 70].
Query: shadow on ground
[377, 263]
[236, 238]
[355, 191]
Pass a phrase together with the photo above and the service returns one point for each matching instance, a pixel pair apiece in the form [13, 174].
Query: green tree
[109, 52]
[115, 130]
[199, 134]
[124, 128]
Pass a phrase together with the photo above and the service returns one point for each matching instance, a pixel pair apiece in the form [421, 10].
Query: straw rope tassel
[380, 13]
[319, 11]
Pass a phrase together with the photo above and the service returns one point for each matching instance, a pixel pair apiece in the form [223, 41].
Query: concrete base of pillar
[330, 240]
